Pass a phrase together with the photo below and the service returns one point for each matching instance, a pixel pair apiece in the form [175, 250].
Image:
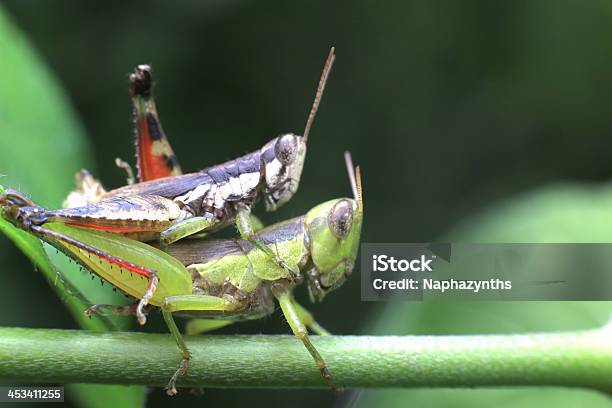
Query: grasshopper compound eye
[340, 218]
[286, 148]
[13, 198]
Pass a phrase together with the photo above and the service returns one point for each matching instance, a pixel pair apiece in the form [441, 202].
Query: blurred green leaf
[564, 212]
[559, 213]
[42, 145]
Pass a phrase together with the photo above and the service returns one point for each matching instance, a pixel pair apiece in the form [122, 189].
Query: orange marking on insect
[152, 166]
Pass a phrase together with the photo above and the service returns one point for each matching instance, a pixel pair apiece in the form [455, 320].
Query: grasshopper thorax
[283, 159]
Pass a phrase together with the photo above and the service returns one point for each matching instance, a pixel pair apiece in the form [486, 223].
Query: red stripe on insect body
[129, 266]
[109, 228]
[137, 269]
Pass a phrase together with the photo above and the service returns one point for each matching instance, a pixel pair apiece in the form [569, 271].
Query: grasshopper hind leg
[155, 156]
[121, 263]
[55, 238]
[21, 212]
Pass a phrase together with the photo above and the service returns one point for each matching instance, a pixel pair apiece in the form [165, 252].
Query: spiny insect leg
[47, 233]
[155, 156]
[113, 260]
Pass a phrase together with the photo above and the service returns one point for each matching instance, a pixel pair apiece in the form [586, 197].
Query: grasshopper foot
[182, 369]
[329, 379]
[140, 314]
[140, 81]
[117, 310]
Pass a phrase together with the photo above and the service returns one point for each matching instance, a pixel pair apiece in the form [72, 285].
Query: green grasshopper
[219, 279]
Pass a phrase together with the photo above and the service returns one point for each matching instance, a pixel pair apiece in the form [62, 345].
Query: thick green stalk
[573, 359]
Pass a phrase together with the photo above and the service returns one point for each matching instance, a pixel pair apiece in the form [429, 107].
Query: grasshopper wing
[169, 187]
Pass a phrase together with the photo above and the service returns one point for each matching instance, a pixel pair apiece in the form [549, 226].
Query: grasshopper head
[284, 156]
[334, 229]
[14, 199]
[284, 160]
[17, 208]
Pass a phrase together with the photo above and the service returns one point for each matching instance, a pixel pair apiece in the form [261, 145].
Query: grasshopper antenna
[315, 105]
[351, 173]
[355, 178]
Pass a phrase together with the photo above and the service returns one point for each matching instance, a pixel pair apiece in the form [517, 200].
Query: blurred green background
[472, 120]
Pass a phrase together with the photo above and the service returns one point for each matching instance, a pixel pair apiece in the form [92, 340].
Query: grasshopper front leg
[247, 232]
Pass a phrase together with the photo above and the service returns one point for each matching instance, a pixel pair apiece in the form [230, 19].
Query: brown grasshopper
[168, 206]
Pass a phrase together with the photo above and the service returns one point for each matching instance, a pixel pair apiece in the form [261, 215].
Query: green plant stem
[574, 359]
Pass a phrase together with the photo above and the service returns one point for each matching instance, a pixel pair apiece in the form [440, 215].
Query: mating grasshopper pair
[228, 279]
